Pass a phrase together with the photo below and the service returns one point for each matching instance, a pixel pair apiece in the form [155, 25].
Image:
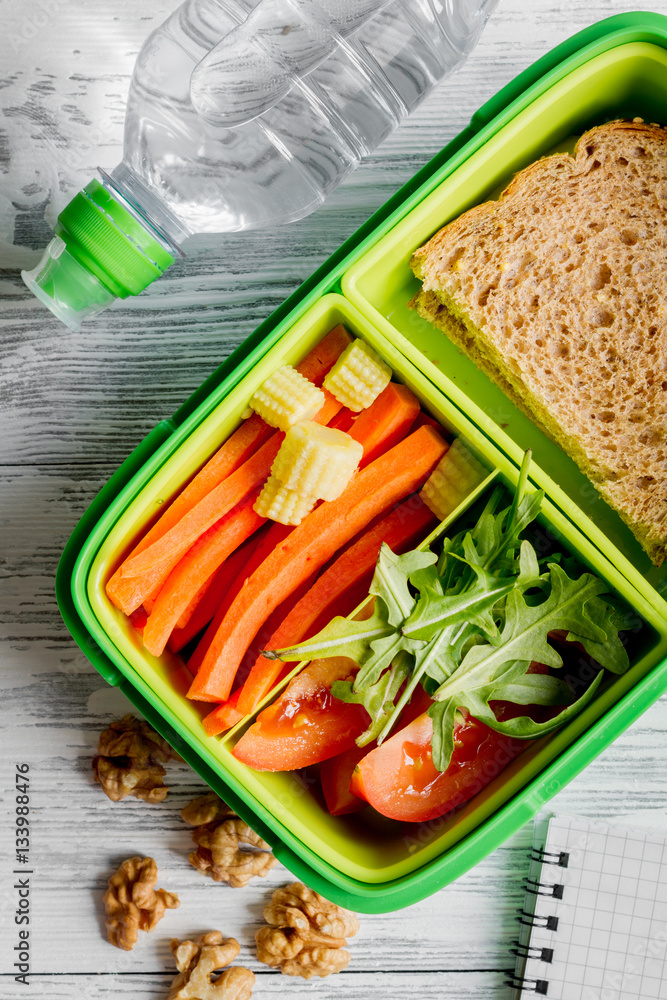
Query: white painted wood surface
[74, 405]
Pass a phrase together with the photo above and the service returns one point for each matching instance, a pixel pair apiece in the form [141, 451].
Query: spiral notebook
[594, 922]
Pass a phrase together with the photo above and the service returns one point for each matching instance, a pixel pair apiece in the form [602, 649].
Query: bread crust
[558, 291]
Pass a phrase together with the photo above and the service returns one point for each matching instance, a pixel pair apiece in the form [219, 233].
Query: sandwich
[558, 291]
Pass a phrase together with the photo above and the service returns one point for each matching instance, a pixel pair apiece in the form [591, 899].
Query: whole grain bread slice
[558, 291]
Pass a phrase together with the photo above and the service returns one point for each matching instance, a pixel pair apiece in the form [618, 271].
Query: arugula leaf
[534, 689]
[341, 637]
[443, 714]
[390, 581]
[380, 656]
[377, 698]
[526, 629]
[523, 727]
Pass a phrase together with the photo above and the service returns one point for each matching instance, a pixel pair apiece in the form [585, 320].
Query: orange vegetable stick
[128, 592]
[246, 439]
[209, 602]
[132, 590]
[343, 420]
[388, 479]
[250, 436]
[203, 559]
[181, 577]
[228, 714]
[385, 421]
[273, 537]
[223, 716]
[187, 614]
[402, 529]
[318, 362]
[424, 420]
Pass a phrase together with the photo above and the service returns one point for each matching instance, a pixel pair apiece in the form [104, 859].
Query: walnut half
[221, 855]
[197, 960]
[129, 760]
[219, 836]
[206, 809]
[132, 902]
[306, 933]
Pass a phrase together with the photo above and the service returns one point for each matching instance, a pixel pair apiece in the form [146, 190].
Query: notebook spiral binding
[531, 951]
[554, 890]
[559, 858]
[537, 986]
[537, 920]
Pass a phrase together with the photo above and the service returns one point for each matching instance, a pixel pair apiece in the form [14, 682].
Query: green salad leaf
[467, 625]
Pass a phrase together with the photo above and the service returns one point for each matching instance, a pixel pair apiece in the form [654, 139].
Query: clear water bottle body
[245, 115]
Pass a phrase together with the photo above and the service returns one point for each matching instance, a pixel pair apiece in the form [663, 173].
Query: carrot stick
[223, 716]
[348, 578]
[259, 642]
[318, 362]
[250, 436]
[236, 450]
[385, 421]
[217, 588]
[206, 555]
[210, 509]
[423, 420]
[149, 603]
[157, 561]
[388, 479]
[344, 420]
[275, 534]
[187, 614]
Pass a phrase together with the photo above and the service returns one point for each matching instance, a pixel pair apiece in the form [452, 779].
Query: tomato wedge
[306, 724]
[336, 773]
[335, 777]
[400, 781]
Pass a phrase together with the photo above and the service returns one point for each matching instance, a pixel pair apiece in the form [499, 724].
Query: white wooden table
[73, 406]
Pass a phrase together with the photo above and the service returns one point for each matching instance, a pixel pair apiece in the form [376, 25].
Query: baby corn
[316, 461]
[358, 377]
[286, 397]
[456, 475]
[282, 504]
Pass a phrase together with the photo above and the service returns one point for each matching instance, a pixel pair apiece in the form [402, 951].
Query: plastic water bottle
[244, 115]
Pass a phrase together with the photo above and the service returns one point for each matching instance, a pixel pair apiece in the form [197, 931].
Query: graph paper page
[610, 942]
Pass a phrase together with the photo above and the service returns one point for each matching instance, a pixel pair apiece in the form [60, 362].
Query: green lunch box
[617, 68]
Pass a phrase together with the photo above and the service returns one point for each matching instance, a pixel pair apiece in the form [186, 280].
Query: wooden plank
[72, 406]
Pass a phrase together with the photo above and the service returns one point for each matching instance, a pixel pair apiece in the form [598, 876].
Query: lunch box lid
[147, 458]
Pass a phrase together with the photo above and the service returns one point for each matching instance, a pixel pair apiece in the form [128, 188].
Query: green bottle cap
[100, 252]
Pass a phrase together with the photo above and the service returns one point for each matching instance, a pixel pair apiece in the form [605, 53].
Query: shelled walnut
[306, 933]
[206, 809]
[197, 960]
[129, 761]
[132, 902]
[221, 855]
